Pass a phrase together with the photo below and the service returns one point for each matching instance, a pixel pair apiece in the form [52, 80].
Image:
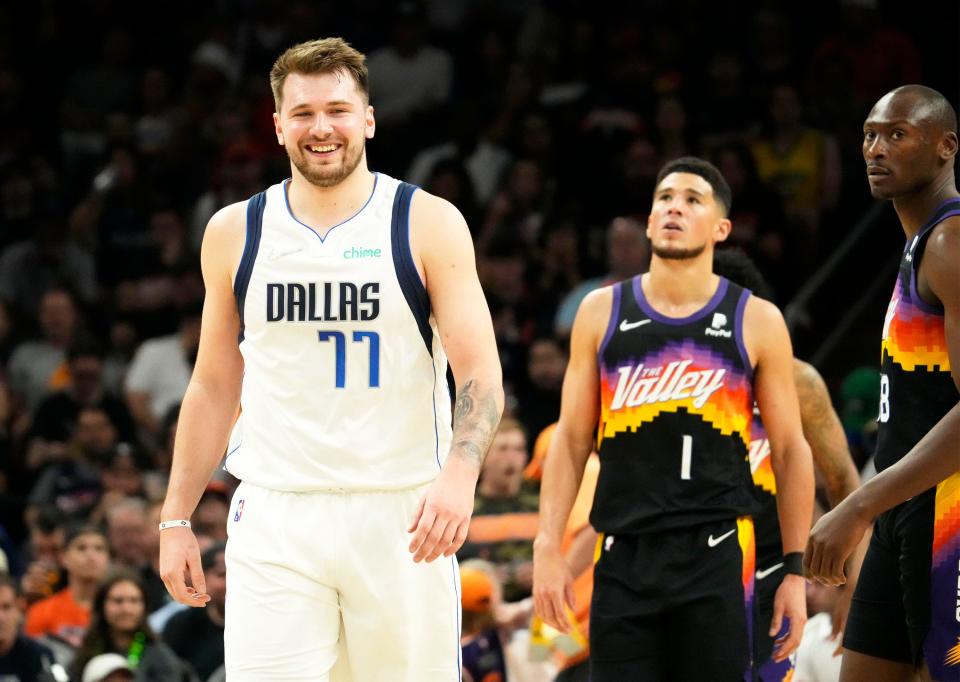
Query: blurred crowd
[544, 122]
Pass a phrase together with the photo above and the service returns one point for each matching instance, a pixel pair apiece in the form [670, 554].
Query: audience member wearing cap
[118, 625]
[66, 614]
[107, 668]
[493, 649]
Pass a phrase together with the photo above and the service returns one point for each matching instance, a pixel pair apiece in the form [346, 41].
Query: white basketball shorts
[321, 586]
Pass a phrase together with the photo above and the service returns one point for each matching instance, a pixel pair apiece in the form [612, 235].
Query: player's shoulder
[596, 308]
[430, 211]
[940, 268]
[945, 237]
[759, 311]
[229, 221]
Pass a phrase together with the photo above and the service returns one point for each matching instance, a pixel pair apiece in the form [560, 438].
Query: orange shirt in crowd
[59, 615]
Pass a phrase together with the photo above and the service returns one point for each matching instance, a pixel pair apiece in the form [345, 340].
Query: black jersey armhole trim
[410, 283]
[738, 327]
[255, 207]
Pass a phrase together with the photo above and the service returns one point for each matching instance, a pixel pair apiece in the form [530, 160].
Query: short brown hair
[326, 55]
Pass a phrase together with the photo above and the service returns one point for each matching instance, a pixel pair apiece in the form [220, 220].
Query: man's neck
[677, 288]
[915, 209]
[323, 207]
[82, 590]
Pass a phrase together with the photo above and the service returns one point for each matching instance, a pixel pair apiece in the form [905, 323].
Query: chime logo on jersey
[641, 385]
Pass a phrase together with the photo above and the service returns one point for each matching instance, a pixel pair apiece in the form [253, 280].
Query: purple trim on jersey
[286, 199]
[663, 319]
[915, 297]
[771, 671]
[612, 323]
[738, 332]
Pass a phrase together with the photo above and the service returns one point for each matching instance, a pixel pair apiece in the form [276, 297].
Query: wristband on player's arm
[793, 563]
[174, 523]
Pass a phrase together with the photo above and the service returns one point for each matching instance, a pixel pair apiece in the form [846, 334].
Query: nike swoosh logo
[713, 542]
[767, 571]
[627, 326]
[274, 255]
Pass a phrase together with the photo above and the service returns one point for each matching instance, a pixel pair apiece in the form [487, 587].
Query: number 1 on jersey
[340, 351]
[686, 454]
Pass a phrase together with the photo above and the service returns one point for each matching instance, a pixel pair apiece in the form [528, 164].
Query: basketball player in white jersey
[333, 301]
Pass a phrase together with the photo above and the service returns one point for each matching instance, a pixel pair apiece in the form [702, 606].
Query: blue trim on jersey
[663, 319]
[457, 608]
[738, 331]
[612, 323]
[407, 275]
[255, 207]
[286, 200]
[436, 432]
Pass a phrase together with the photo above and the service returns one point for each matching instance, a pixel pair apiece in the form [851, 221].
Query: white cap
[100, 666]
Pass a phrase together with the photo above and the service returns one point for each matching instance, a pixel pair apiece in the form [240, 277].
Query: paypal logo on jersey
[355, 252]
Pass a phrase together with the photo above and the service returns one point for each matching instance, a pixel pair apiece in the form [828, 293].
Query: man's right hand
[180, 565]
[552, 586]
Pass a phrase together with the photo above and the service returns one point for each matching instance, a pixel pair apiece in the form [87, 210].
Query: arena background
[124, 126]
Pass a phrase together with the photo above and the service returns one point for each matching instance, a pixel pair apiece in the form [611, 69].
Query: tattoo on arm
[475, 420]
[824, 433]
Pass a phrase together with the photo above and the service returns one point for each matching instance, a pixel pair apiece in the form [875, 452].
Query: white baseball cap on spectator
[99, 667]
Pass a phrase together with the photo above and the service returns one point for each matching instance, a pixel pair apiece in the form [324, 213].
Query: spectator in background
[160, 371]
[167, 279]
[71, 480]
[803, 164]
[538, 399]
[49, 259]
[21, 658]
[107, 668]
[66, 615]
[118, 625]
[504, 519]
[56, 415]
[132, 547]
[409, 80]
[757, 213]
[571, 652]
[628, 254]
[42, 554]
[210, 516]
[493, 648]
[38, 368]
[196, 635]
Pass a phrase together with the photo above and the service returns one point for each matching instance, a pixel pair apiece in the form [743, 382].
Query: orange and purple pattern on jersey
[912, 337]
[680, 375]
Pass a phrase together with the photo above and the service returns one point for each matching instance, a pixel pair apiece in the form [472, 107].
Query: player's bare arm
[768, 343]
[209, 405]
[570, 447]
[831, 458]
[443, 251]
[933, 459]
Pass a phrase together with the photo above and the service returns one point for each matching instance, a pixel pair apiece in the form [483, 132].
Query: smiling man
[334, 301]
[669, 363]
[906, 608]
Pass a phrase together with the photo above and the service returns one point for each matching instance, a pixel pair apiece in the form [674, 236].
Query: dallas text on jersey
[322, 301]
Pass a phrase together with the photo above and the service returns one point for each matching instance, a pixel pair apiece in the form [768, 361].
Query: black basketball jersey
[916, 388]
[676, 407]
[766, 522]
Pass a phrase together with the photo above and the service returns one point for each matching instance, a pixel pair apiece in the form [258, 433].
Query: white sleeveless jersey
[344, 384]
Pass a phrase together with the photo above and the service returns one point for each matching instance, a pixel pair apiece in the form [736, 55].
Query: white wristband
[175, 523]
